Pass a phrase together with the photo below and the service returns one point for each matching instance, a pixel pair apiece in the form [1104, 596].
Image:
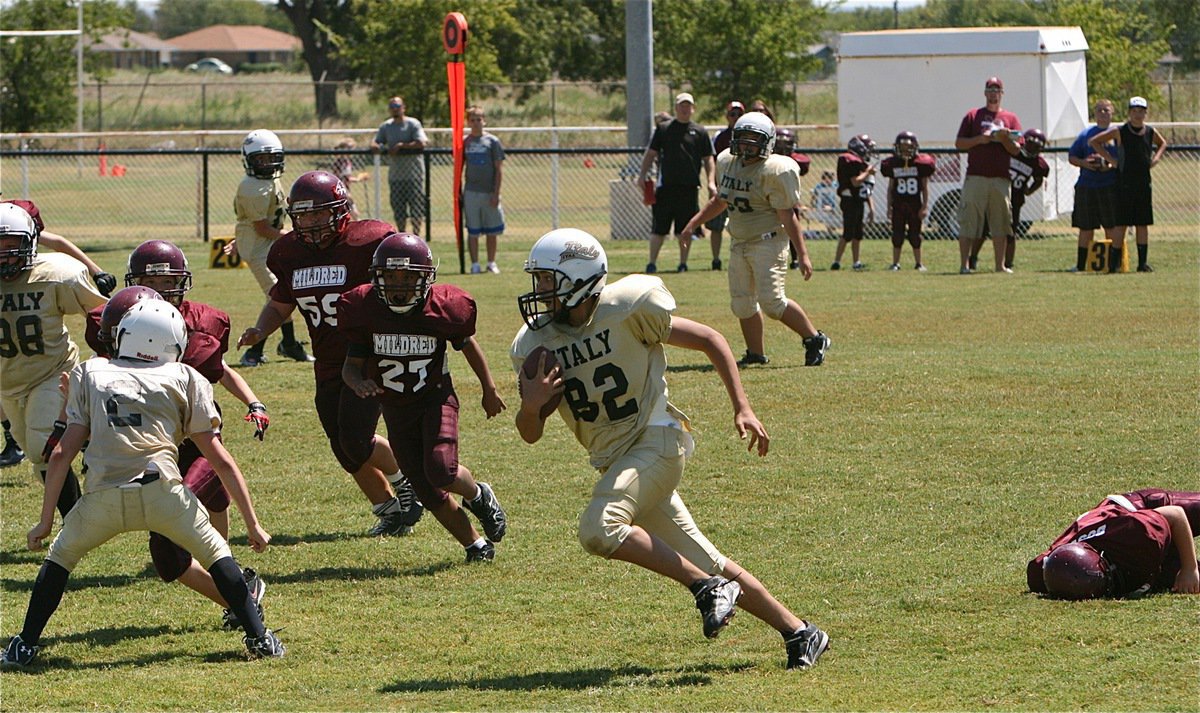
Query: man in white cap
[681, 147]
[1139, 149]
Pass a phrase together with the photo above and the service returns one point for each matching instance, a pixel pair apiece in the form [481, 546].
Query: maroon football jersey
[990, 159]
[406, 353]
[1136, 543]
[802, 160]
[906, 186]
[312, 280]
[849, 166]
[1025, 171]
[208, 337]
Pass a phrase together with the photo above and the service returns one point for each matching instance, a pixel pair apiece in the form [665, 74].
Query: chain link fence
[167, 191]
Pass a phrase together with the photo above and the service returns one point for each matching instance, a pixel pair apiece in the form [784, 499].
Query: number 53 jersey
[755, 192]
[34, 343]
[614, 366]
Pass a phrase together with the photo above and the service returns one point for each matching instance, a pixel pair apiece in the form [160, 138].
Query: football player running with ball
[134, 408]
[325, 254]
[761, 188]
[159, 269]
[35, 347]
[908, 171]
[397, 329]
[611, 374]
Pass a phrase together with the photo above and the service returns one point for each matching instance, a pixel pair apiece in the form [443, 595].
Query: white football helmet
[16, 223]
[262, 154]
[753, 135]
[579, 267]
[153, 331]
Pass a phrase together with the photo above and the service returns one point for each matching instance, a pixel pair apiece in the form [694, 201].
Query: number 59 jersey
[614, 366]
[34, 343]
[756, 191]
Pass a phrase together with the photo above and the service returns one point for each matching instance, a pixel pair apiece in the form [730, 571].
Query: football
[530, 369]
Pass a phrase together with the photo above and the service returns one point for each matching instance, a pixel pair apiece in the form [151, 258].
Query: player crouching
[135, 408]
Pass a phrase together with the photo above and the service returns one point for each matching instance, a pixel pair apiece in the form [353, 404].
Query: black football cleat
[487, 508]
[806, 646]
[717, 601]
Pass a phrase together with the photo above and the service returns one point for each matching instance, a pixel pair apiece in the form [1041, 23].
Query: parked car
[210, 64]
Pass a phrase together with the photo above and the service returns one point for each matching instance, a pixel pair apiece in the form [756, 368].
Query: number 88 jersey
[34, 343]
[614, 366]
[906, 177]
[755, 191]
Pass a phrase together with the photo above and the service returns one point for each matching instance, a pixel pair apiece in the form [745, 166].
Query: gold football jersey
[614, 366]
[136, 416]
[755, 192]
[34, 343]
[258, 199]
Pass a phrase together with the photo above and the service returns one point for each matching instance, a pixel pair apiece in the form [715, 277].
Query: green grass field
[959, 424]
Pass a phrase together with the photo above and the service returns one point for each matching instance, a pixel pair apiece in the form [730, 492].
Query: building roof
[123, 39]
[235, 38]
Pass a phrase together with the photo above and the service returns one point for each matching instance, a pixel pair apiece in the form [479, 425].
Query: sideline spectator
[1095, 190]
[481, 193]
[986, 134]
[1139, 148]
[682, 147]
[403, 139]
[825, 201]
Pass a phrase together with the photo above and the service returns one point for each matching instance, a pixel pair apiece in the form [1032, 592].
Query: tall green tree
[1124, 46]
[734, 49]
[324, 28]
[38, 74]
[179, 17]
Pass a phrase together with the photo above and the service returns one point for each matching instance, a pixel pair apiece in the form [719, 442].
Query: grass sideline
[957, 426]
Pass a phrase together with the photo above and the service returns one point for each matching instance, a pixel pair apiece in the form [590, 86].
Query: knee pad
[774, 307]
[352, 456]
[603, 526]
[743, 307]
[170, 560]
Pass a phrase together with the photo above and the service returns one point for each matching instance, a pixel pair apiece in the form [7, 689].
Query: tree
[1124, 46]
[37, 87]
[1184, 19]
[747, 49]
[179, 17]
[324, 27]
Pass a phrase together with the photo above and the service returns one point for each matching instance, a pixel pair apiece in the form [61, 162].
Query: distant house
[127, 49]
[235, 44]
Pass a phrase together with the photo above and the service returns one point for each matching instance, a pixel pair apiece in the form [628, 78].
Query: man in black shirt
[1139, 149]
[681, 148]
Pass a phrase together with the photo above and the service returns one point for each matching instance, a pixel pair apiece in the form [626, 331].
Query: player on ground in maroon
[1122, 548]
[908, 171]
[324, 255]
[397, 329]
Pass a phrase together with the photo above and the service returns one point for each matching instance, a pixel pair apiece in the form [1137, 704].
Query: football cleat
[267, 646]
[252, 358]
[483, 553]
[18, 654]
[750, 358]
[294, 351]
[815, 348]
[487, 508]
[717, 601]
[392, 525]
[258, 589]
[806, 646]
[12, 453]
[836, 266]
[410, 507]
[895, 267]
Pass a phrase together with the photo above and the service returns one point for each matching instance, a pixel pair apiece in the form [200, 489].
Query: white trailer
[925, 81]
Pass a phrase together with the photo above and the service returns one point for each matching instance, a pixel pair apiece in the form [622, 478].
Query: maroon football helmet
[33, 212]
[1033, 142]
[319, 207]
[116, 308]
[906, 146]
[1076, 571]
[785, 142]
[159, 258]
[862, 146]
[402, 271]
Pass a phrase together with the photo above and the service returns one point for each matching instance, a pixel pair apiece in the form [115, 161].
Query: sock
[478, 494]
[1142, 250]
[789, 635]
[69, 494]
[698, 586]
[7, 428]
[386, 508]
[229, 580]
[1114, 259]
[257, 349]
[1081, 259]
[477, 544]
[398, 479]
[47, 593]
[288, 330]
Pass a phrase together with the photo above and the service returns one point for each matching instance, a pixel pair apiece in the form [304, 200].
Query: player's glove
[60, 427]
[258, 416]
[106, 283]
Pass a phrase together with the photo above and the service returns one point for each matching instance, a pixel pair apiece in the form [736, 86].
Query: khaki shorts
[639, 489]
[757, 272]
[163, 506]
[482, 218]
[985, 198]
[254, 250]
[32, 415]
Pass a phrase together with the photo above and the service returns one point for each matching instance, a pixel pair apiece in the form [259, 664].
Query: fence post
[378, 194]
[25, 168]
[554, 179]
